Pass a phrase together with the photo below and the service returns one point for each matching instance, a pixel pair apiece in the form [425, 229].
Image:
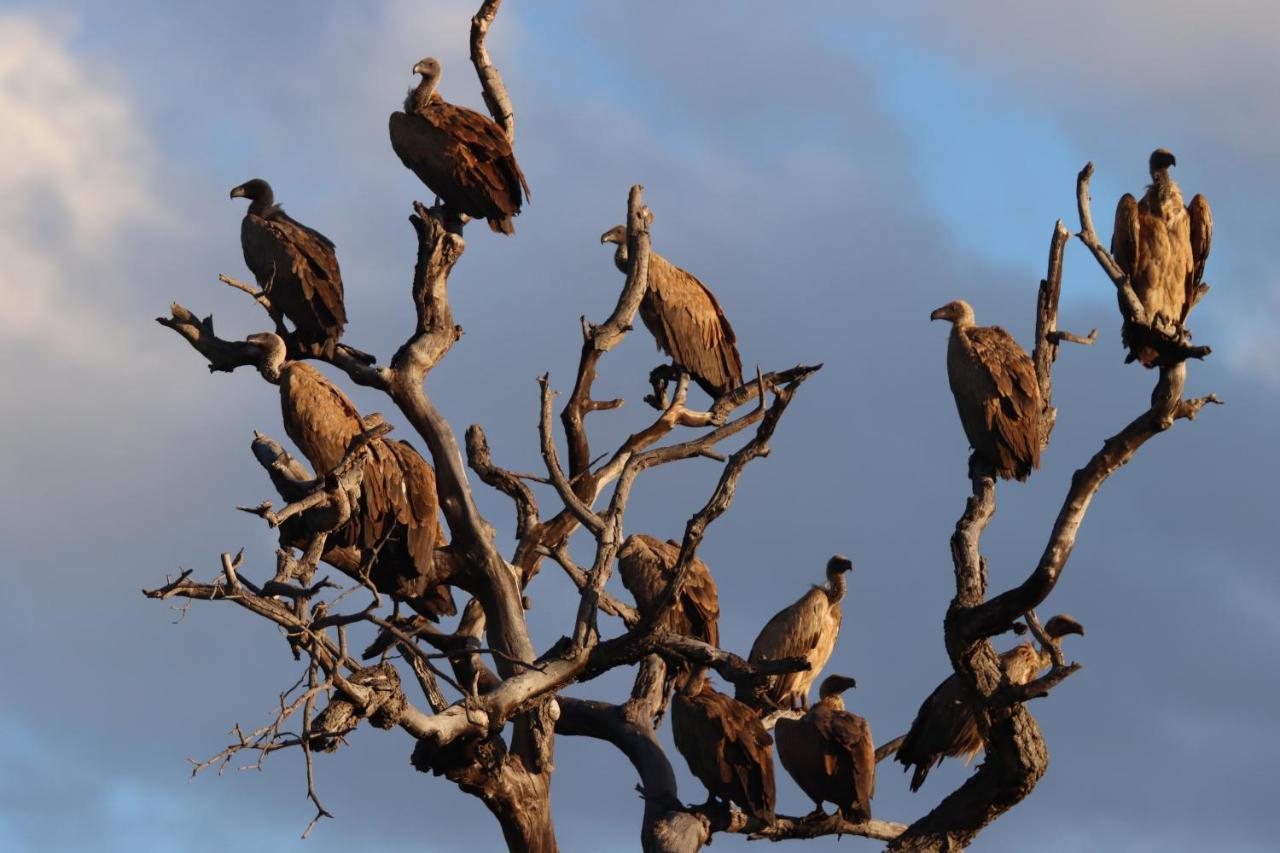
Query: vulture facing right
[396, 528]
[295, 266]
[462, 156]
[805, 629]
[830, 754]
[685, 320]
[997, 394]
[944, 726]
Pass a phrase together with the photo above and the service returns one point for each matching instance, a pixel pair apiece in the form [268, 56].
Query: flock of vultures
[466, 160]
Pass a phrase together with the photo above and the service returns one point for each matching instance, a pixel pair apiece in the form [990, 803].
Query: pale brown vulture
[830, 754]
[997, 395]
[805, 629]
[462, 156]
[295, 266]
[396, 528]
[725, 745]
[1162, 246]
[944, 726]
[685, 319]
[646, 564]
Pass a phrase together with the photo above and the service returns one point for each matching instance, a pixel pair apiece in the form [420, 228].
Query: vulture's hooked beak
[238, 192]
[939, 313]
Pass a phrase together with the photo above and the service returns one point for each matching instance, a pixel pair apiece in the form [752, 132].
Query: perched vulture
[805, 629]
[997, 395]
[686, 320]
[944, 726]
[396, 528]
[830, 754]
[725, 745]
[645, 564]
[462, 156]
[295, 266]
[1162, 246]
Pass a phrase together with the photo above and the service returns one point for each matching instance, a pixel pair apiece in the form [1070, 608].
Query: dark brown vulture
[295, 266]
[462, 156]
[645, 564]
[686, 320]
[1162, 246]
[396, 528]
[944, 726]
[830, 754]
[997, 395]
[805, 629]
[725, 745]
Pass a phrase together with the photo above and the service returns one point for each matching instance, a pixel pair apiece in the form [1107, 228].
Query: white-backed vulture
[944, 726]
[462, 156]
[725, 746]
[646, 564]
[685, 320]
[396, 527]
[829, 752]
[997, 395]
[295, 266]
[1162, 246]
[805, 629]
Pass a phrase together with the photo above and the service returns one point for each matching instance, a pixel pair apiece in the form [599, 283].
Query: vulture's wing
[938, 729]
[697, 332]
[1012, 411]
[417, 504]
[1124, 239]
[1201, 241]
[319, 418]
[643, 569]
[319, 312]
[794, 630]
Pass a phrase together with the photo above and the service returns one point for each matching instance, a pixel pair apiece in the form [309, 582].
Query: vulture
[725, 745]
[295, 266]
[646, 564]
[1162, 246]
[396, 528]
[944, 726]
[686, 320]
[462, 156]
[805, 629]
[997, 394]
[830, 754]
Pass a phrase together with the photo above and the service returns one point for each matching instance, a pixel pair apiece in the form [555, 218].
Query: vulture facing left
[1162, 246]
[830, 754]
[295, 266]
[685, 320]
[396, 527]
[725, 745]
[994, 383]
[462, 156]
[944, 726]
[805, 629]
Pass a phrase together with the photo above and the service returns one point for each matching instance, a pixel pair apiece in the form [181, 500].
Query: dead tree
[462, 738]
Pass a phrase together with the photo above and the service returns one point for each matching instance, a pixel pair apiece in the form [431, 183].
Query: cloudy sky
[833, 177]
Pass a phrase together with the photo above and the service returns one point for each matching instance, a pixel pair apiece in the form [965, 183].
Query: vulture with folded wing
[462, 156]
[1162, 246]
[997, 395]
[396, 526]
[805, 629]
[725, 745]
[685, 319]
[944, 726]
[295, 266]
[646, 564]
[830, 754]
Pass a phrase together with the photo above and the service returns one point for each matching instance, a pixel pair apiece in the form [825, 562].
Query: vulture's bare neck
[621, 260]
[836, 585]
[1164, 194]
[419, 96]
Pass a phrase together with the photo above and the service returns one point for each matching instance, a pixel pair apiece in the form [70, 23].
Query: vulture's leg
[659, 378]
[817, 813]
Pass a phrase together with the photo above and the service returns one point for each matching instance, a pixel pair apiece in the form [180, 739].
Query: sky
[833, 175]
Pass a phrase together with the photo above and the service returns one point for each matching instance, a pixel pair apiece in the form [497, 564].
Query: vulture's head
[256, 190]
[834, 685]
[617, 234]
[958, 313]
[1061, 625]
[838, 565]
[429, 68]
[271, 354]
[1161, 159]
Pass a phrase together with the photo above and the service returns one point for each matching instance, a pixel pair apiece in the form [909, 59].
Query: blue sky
[833, 176]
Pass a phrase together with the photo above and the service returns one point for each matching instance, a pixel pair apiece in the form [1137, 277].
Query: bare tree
[461, 738]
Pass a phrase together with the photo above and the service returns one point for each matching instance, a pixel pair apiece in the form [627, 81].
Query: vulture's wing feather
[1011, 404]
[1124, 238]
[320, 311]
[696, 332]
[792, 632]
[1201, 241]
[318, 417]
